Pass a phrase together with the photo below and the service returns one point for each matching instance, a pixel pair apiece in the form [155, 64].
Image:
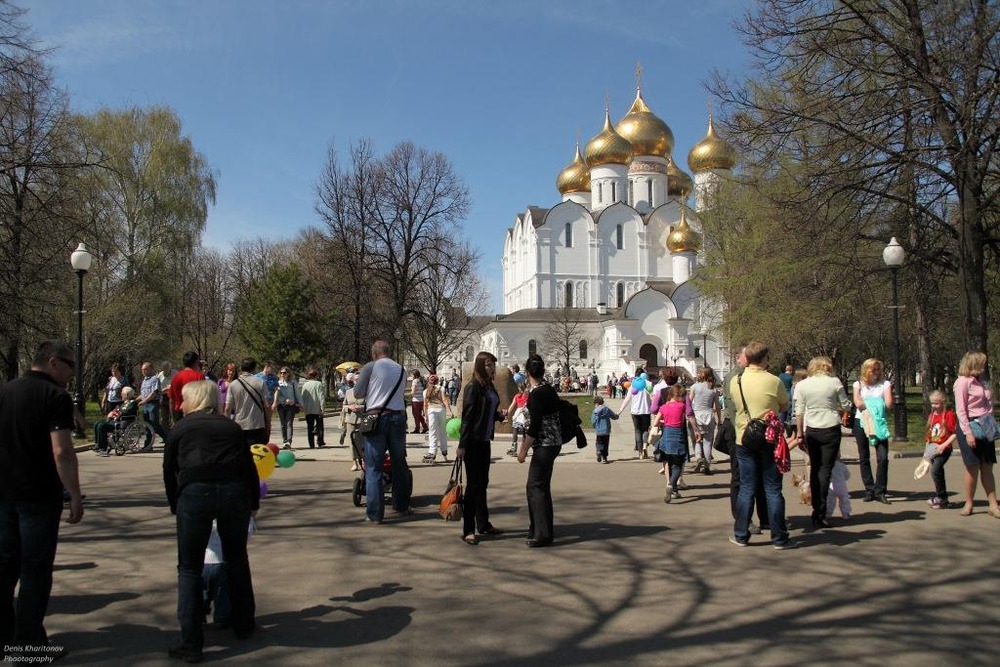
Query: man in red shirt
[190, 373]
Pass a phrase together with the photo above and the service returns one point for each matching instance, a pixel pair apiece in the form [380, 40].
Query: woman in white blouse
[819, 401]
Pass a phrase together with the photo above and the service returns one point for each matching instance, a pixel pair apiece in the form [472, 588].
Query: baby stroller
[360, 489]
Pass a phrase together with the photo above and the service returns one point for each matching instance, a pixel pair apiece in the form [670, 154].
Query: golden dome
[679, 184]
[608, 147]
[683, 238]
[645, 131]
[712, 152]
[575, 177]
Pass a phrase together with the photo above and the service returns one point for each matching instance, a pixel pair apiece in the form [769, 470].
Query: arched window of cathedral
[619, 237]
[620, 294]
[469, 352]
[631, 192]
[532, 347]
[649, 191]
[583, 349]
[614, 192]
[600, 192]
[569, 235]
[568, 301]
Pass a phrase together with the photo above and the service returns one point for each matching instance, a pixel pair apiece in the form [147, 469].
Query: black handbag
[659, 455]
[368, 423]
[755, 433]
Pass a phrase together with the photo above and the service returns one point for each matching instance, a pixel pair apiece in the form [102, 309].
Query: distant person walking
[190, 373]
[247, 404]
[313, 402]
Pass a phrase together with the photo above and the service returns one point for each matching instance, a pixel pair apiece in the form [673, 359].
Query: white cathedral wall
[626, 264]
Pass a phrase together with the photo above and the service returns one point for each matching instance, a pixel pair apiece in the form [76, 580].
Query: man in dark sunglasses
[37, 462]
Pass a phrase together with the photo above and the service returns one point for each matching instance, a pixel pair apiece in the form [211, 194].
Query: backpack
[569, 424]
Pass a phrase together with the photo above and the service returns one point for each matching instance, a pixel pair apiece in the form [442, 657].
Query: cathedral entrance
[648, 352]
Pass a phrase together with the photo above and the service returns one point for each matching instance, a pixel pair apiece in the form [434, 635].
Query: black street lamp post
[80, 260]
[893, 256]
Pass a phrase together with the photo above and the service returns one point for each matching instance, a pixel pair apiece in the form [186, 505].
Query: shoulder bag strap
[402, 372]
[743, 397]
[252, 393]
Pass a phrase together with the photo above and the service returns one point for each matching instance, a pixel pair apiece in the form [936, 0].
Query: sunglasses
[68, 362]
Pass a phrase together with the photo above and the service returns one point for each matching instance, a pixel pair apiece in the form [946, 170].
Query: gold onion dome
[679, 184]
[683, 238]
[645, 131]
[712, 152]
[575, 177]
[607, 147]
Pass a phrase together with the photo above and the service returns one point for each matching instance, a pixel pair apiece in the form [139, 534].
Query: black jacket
[476, 419]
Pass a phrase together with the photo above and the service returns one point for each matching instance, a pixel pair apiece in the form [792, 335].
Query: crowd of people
[213, 487]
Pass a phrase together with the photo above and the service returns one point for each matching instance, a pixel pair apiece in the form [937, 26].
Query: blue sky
[502, 87]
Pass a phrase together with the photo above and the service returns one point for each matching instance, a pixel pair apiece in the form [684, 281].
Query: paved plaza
[630, 580]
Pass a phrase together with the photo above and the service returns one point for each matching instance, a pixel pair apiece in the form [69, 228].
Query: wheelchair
[130, 436]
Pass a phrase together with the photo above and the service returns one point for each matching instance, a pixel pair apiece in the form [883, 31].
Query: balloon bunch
[641, 383]
[266, 458]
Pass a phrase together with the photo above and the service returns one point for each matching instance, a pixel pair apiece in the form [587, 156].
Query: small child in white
[838, 490]
[215, 583]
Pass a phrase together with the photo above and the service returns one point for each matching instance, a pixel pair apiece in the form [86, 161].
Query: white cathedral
[612, 261]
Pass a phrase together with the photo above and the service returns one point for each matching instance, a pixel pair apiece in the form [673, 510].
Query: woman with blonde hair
[209, 474]
[977, 430]
[873, 393]
[819, 400]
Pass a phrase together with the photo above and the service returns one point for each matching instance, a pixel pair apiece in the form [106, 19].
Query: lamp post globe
[80, 260]
[893, 255]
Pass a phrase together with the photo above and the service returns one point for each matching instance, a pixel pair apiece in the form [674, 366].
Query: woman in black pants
[819, 401]
[480, 403]
[545, 438]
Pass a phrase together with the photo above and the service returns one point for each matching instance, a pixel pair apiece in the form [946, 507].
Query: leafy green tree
[278, 319]
[38, 158]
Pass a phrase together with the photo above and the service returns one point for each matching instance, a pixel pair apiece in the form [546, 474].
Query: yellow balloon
[263, 458]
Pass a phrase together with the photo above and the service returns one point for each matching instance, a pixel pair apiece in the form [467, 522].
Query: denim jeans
[29, 531]
[199, 503]
[389, 436]
[151, 411]
[286, 414]
[750, 464]
[878, 484]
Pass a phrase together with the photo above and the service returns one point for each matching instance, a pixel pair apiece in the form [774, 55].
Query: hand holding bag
[451, 503]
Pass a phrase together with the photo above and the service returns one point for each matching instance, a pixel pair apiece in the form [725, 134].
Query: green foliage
[277, 318]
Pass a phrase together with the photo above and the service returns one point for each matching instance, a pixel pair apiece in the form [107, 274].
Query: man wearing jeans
[381, 386]
[754, 392]
[37, 462]
[149, 399]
